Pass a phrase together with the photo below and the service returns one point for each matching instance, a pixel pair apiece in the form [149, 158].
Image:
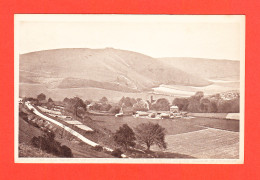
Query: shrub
[98, 148]
[48, 144]
[66, 151]
[117, 153]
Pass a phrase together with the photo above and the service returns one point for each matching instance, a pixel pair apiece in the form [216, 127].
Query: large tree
[125, 137]
[74, 105]
[149, 134]
[161, 104]
[182, 103]
[41, 97]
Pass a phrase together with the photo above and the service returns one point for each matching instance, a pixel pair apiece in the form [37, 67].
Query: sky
[155, 36]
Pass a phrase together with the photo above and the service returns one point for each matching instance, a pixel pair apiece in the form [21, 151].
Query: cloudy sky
[216, 37]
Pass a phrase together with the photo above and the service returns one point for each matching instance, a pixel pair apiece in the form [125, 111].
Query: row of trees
[197, 103]
[138, 104]
[211, 104]
[146, 134]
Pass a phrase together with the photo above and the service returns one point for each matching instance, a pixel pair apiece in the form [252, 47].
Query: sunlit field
[197, 137]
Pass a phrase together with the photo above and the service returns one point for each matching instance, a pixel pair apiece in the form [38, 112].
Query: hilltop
[108, 68]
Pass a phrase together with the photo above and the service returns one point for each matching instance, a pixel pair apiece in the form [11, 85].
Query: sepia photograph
[129, 88]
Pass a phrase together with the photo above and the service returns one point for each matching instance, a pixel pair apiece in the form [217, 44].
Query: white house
[174, 109]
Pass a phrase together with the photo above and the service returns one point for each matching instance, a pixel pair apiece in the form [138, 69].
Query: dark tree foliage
[87, 102]
[125, 137]
[141, 105]
[114, 109]
[103, 100]
[194, 102]
[41, 97]
[75, 105]
[182, 103]
[229, 106]
[149, 134]
[210, 104]
[50, 100]
[66, 100]
[49, 144]
[117, 153]
[105, 107]
[127, 101]
[161, 104]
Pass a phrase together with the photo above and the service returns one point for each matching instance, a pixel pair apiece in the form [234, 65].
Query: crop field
[206, 144]
[196, 137]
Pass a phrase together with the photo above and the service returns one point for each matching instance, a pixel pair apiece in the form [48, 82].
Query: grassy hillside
[123, 70]
[207, 68]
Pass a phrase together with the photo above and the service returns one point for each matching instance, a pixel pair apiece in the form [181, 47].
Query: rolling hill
[108, 68]
[207, 68]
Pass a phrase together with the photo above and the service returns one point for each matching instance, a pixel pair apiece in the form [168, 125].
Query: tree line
[199, 103]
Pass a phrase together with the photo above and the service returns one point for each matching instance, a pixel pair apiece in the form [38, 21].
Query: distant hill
[108, 68]
[206, 68]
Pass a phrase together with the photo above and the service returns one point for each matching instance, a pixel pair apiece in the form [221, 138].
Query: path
[71, 131]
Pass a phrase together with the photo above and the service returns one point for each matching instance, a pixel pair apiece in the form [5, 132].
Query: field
[196, 137]
[32, 90]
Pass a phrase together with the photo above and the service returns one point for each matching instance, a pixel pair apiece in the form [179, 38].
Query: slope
[103, 68]
[206, 68]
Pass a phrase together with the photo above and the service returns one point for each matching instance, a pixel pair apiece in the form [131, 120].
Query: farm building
[174, 109]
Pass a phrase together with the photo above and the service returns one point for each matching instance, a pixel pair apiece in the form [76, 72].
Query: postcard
[129, 88]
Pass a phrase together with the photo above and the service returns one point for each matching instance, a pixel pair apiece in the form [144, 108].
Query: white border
[130, 18]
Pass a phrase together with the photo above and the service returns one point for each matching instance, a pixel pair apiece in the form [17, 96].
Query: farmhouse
[174, 109]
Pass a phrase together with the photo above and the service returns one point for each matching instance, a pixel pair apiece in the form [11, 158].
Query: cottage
[174, 109]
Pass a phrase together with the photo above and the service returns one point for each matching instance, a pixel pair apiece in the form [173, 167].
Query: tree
[114, 109]
[105, 107]
[182, 103]
[50, 100]
[161, 104]
[78, 103]
[74, 105]
[194, 102]
[149, 134]
[127, 101]
[103, 100]
[41, 97]
[125, 137]
[141, 105]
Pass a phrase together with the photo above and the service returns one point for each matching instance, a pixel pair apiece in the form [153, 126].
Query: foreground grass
[26, 150]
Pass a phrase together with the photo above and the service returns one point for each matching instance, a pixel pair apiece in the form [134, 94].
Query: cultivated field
[197, 137]
[205, 144]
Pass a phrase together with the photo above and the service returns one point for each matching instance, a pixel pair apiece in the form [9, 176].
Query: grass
[79, 149]
[186, 138]
[156, 154]
[26, 150]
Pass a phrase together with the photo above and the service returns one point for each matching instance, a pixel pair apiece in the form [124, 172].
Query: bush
[98, 148]
[117, 153]
[48, 144]
[66, 151]
[114, 110]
